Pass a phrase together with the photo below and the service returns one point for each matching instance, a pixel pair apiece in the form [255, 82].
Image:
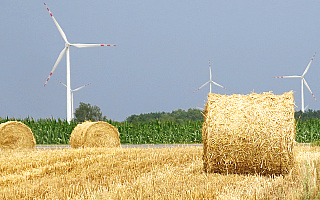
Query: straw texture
[249, 134]
[94, 134]
[16, 135]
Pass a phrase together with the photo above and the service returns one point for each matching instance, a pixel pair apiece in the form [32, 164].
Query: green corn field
[308, 131]
[52, 131]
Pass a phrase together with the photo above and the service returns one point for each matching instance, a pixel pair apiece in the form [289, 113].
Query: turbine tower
[66, 50]
[303, 82]
[210, 81]
[72, 91]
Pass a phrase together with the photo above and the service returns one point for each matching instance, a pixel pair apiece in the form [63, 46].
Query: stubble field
[150, 173]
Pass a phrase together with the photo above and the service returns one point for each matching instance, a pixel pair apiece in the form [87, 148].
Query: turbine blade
[58, 26]
[218, 85]
[56, 64]
[199, 108]
[287, 77]
[62, 83]
[306, 84]
[202, 86]
[92, 45]
[79, 88]
[306, 70]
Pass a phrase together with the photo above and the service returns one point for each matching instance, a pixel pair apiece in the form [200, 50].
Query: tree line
[87, 112]
[179, 116]
[307, 115]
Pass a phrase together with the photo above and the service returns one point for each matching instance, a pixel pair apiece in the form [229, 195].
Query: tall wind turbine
[66, 50]
[303, 82]
[72, 91]
[210, 81]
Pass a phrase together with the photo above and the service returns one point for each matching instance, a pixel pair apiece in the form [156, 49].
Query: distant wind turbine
[66, 50]
[79, 88]
[303, 82]
[210, 81]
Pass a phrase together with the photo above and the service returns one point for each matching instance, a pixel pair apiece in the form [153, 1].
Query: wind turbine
[79, 88]
[66, 50]
[303, 82]
[210, 81]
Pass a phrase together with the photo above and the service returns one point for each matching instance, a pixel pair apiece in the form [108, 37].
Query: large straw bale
[249, 134]
[94, 134]
[16, 135]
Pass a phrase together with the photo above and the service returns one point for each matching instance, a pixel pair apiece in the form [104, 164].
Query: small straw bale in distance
[16, 135]
[249, 134]
[94, 134]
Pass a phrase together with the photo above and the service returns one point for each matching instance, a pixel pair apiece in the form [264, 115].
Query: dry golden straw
[94, 134]
[16, 135]
[249, 134]
[146, 173]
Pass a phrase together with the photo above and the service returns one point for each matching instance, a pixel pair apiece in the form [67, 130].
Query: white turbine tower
[303, 82]
[66, 50]
[210, 81]
[79, 88]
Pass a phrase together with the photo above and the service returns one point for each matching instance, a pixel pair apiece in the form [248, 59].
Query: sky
[162, 53]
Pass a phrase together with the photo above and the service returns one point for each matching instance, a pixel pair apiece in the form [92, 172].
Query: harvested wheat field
[165, 173]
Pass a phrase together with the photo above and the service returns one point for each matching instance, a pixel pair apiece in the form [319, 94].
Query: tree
[179, 116]
[307, 115]
[86, 112]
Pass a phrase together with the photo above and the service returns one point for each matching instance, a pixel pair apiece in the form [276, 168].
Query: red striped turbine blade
[92, 45]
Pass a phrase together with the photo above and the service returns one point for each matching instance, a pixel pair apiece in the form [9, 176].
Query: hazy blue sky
[162, 54]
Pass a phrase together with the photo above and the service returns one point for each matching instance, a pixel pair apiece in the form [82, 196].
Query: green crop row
[52, 131]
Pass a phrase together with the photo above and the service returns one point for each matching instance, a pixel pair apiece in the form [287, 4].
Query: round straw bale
[94, 134]
[249, 134]
[16, 135]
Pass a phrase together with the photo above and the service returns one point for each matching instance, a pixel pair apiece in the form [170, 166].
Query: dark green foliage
[179, 116]
[86, 112]
[309, 114]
